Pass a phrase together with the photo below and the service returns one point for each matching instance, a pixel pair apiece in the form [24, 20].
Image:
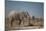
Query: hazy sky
[34, 8]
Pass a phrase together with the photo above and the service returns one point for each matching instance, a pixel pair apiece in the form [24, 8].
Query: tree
[33, 17]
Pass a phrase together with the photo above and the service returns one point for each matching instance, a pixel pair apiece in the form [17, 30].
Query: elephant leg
[20, 22]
